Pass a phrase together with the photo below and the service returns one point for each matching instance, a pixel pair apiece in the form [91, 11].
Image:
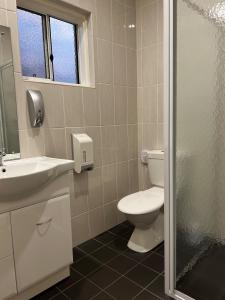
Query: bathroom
[111, 139]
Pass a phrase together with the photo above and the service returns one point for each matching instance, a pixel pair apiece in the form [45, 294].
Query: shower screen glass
[199, 77]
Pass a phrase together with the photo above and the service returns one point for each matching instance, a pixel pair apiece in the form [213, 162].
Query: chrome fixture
[36, 108]
[2, 154]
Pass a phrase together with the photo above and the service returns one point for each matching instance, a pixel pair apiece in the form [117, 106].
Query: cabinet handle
[44, 222]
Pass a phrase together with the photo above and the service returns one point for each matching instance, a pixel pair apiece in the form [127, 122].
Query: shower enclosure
[195, 144]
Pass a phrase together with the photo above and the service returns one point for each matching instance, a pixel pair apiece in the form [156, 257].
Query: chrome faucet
[2, 154]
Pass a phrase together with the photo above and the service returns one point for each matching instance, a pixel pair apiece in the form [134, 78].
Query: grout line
[105, 264]
[121, 275]
[145, 288]
[67, 297]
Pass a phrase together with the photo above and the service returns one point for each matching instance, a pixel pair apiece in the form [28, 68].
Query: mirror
[9, 135]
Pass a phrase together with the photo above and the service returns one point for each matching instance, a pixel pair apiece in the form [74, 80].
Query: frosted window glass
[64, 51]
[31, 44]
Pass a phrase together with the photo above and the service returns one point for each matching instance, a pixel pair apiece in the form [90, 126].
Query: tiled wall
[149, 19]
[108, 113]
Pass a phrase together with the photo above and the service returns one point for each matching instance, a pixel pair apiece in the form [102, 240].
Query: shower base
[206, 280]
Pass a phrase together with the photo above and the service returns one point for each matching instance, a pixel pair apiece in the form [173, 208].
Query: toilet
[144, 209]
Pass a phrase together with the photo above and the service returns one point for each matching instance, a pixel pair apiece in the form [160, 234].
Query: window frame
[47, 44]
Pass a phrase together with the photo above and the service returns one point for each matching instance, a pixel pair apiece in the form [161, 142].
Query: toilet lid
[142, 202]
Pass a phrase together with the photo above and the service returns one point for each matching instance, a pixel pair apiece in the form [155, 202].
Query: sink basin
[21, 176]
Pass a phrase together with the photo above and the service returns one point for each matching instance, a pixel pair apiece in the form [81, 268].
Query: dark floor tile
[106, 237]
[121, 264]
[157, 288]
[160, 249]
[145, 295]
[59, 297]
[78, 254]
[49, 293]
[86, 265]
[73, 278]
[103, 277]
[123, 289]
[104, 254]
[83, 290]
[103, 296]
[126, 235]
[119, 229]
[155, 262]
[119, 244]
[127, 224]
[138, 257]
[90, 246]
[141, 275]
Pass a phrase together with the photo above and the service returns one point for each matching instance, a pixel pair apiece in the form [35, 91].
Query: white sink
[21, 176]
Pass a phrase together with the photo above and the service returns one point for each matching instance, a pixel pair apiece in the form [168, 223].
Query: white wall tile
[122, 180]
[3, 17]
[107, 107]
[96, 219]
[108, 134]
[91, 107]
[73, 106]
[118, 22]
[2, 3]
[131, 67]
[132, 105]
[95, 134]
[130, 29]
[55, 142]
[109, 183]
[110, 215]
[120, 96]
[79, 203]
[104, 24]
[95, 191]
[83, 234]
[104, 62]
[121, 143]
[119, 61]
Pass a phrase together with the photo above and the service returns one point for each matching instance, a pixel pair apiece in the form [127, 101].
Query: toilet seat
[142, 202]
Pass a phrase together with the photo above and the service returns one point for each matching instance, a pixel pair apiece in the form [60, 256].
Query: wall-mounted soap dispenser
[36, 108]
[82, 152]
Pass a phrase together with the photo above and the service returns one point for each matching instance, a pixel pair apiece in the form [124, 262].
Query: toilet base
[144, 239]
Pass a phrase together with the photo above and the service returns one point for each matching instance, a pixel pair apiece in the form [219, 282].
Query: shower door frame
[169, 144]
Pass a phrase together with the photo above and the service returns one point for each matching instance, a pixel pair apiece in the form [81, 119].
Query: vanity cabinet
[42, 240]
[35, 226]
[7, 278]
[7, 271]
[5, 236]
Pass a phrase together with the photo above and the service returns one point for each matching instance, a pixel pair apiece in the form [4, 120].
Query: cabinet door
[7, 278]
[42, 240]
[5, 236]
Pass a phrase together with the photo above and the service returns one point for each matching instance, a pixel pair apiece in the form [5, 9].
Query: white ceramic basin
[21, 176]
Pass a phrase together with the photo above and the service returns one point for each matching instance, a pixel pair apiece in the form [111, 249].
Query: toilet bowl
[144, 209]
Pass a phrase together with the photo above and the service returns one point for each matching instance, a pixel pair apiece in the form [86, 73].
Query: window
[48, 47]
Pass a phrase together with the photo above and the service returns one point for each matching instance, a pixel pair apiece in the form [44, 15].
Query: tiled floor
[105, 269]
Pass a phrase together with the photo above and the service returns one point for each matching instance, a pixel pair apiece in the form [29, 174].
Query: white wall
[149, 16]
[108, 113]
